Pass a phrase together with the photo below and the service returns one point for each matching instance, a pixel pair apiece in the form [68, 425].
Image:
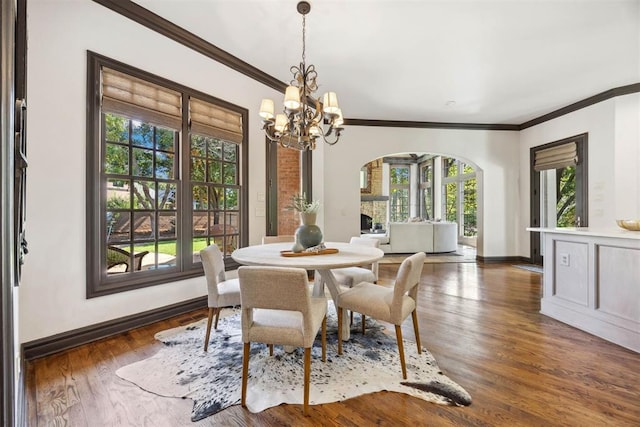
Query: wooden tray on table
[321, 252]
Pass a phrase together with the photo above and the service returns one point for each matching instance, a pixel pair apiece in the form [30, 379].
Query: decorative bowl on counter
[629, 224]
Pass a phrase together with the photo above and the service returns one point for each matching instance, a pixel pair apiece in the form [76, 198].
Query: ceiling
[456, 61]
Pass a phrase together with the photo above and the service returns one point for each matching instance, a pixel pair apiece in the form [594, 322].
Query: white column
[437, 187]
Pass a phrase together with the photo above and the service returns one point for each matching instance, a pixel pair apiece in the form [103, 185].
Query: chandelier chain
[304, 34]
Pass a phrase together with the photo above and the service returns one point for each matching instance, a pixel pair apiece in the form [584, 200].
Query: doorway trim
[582, 187]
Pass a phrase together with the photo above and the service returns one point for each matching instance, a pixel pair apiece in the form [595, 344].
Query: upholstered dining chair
[222, 291]
[277, 309]
[284, 238]
[349, 276]
[389, 304]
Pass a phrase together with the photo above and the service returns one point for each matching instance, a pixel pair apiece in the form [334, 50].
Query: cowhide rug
[369, 363]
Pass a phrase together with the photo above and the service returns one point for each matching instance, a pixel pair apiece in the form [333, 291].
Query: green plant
[299, 203]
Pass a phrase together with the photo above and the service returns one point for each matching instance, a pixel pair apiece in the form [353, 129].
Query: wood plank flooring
[480, 321]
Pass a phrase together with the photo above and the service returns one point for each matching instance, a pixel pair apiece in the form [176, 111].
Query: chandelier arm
[337, 136]
[318, 111]
[270, 134]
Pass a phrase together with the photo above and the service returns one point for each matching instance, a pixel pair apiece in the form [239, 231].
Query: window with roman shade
[134, 97]
[215, 121]
[559, 156]
[215, 135]
[166, 176]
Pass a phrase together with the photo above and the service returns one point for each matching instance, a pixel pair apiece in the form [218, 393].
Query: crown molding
[603, 96]
[428, 125]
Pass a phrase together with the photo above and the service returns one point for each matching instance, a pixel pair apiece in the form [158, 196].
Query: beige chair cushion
[350, 276]
[285, 327]
[228, 293]
[375, 301]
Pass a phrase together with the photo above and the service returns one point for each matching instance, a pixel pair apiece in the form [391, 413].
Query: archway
[402, 187]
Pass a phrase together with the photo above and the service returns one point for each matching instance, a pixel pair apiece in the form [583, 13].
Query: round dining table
[347, 255]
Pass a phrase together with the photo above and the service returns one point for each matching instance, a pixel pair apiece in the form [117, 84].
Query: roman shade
[140, 99]
[215, 121]
[556, 157]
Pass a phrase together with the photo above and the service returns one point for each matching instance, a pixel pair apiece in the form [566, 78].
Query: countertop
[615, 232]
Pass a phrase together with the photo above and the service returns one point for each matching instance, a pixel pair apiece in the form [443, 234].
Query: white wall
[627, 157]
[493, 154]
[613, 127]
[52, 295]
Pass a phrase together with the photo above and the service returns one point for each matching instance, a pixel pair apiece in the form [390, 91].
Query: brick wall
[378, 209]
[376, 177]
[288, 183]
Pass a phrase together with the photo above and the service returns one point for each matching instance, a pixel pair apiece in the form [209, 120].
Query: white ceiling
[459, 61]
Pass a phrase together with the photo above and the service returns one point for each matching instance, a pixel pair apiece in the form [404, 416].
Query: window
[216, 215]
[165, 172]
[459, 191]
[559, 172]
[399, 193]
[449, 189]
[469, 208]
[141, 188]
[566, 197]
[426, 189]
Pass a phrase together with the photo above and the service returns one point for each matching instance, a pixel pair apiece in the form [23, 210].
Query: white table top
[269, 255]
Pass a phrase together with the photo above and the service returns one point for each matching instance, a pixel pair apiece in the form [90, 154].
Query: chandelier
[304, 119]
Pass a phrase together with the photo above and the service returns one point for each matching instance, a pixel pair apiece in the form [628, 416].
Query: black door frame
[582, 187]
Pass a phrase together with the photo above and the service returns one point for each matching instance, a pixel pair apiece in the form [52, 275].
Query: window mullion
[185, 233]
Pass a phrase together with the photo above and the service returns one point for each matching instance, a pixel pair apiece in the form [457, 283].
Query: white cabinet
[592, 281]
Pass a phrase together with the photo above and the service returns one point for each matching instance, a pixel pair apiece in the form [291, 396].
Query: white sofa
[412, 237]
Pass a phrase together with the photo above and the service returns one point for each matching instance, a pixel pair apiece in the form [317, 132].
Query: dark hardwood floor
[481, 323]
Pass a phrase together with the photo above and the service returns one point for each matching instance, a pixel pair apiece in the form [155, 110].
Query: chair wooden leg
[363, 318]
[206, 336]
[339, 310]
[401, 351]
[307, 375]
[416, 331]
[324, 339]
[217, 316]
[245, 374]
[270, 349]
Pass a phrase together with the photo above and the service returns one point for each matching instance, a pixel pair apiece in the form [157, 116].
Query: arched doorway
[404, 187]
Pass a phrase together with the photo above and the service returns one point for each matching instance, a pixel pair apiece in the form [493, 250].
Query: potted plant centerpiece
[308, 234]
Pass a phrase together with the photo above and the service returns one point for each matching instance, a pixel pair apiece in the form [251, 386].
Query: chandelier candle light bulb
[304, 119]
[292, 98]
[281, 122]
[266, 109]
[330, 103]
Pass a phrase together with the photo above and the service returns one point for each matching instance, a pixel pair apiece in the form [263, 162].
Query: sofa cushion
[384, 239]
